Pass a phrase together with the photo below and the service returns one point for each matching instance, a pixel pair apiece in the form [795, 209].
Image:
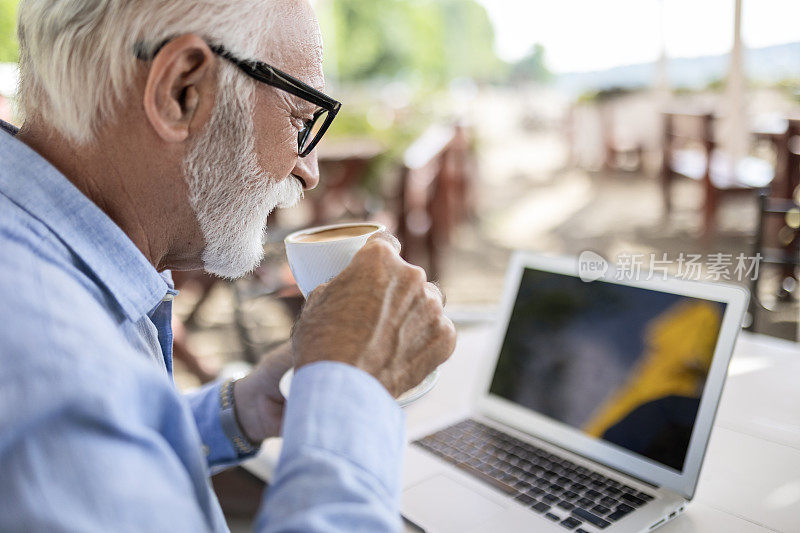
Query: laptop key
[600, 509]
[569, 495]
[485, 468]
[567, 506]
[632, 500]
[521, 485]
[581, 530]
[571, 522]
[585, 502]
[593, 519]
[625, 508]
[616, 515]
[488, 479]
[473, 461]
[613, 491]
[553, 517]
[593, 494]
[540, 507]
[644, 496]
[608, 502]
[525, 499]
[550, 498]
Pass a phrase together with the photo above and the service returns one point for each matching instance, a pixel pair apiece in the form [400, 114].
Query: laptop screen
[623, 364]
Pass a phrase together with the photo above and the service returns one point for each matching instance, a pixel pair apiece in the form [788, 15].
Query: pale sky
[581, 35]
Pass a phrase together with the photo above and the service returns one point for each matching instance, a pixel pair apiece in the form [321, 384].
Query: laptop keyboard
[550, 485]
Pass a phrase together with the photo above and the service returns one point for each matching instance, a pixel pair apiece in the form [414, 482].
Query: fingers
[318, 291]
[427, 315]
[385, 236]
[447, 332]
[379, 259]
[433, 290]
[430, 353]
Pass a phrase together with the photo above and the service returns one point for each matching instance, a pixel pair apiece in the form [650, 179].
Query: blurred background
[475, 127]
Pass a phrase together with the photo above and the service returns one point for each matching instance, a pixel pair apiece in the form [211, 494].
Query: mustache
[289, 192]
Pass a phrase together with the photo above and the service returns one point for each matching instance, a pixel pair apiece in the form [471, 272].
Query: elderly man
[159, 135]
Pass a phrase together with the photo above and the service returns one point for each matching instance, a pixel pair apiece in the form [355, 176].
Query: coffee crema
[335, 234]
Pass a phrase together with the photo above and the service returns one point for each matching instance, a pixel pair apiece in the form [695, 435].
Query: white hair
[77, 57]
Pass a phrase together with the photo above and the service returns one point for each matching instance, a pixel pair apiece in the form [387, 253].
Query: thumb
[387, 237]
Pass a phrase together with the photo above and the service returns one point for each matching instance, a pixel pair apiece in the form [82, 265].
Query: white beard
[229, 193]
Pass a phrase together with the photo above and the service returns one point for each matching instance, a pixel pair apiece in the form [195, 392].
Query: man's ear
[181, 88]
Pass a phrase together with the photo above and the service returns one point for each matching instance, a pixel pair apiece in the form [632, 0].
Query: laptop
[594, 410]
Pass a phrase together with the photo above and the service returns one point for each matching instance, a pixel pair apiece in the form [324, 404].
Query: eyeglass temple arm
[273, 76]
[260, 71]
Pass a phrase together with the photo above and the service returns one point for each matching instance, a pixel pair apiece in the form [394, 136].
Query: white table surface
[750, 481]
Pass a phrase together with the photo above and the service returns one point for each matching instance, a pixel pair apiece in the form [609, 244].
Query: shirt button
[206, 450]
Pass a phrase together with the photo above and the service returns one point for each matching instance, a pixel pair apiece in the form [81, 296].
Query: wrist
[242, 443]
[249, 402]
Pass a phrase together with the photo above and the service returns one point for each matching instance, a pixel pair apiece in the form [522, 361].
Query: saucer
[410, 396]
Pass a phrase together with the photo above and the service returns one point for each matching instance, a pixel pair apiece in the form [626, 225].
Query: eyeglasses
[313, 129]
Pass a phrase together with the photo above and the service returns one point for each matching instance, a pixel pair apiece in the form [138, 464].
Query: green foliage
[532, 67]
[429, 41]
[469, 42]
[390, 62]
[9, 49]
[605, 95]
[716, 85]
[791, 88]
[419, 46]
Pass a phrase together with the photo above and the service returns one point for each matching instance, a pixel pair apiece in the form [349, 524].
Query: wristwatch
[230, 424]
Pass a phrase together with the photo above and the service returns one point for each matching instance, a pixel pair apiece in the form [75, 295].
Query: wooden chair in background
[202, 283]
[434, 194]
[343, 165]
[778, 243]
[619, 153]
[691, 151]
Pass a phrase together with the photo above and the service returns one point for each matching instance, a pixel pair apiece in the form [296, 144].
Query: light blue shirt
[93, 434]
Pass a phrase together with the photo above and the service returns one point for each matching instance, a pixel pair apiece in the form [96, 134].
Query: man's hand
[259, 403]
[381, 315]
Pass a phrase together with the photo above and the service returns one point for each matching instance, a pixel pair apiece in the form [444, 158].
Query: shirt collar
[32, 183]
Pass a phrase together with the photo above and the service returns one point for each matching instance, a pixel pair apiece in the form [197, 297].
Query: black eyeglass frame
[274, 77]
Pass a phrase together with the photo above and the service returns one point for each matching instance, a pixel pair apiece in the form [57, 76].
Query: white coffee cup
[317, 255]
[317, 260]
